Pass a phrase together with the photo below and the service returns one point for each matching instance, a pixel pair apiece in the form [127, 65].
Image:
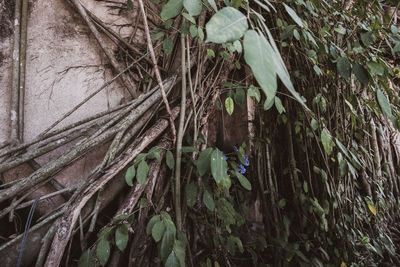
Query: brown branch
[68, 221]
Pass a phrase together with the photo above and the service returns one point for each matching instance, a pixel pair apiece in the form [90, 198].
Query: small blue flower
[246, 161]
[235, 148]
[225, 157]
[241, 169]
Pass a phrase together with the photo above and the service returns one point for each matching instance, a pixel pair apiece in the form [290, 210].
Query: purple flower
[241, 169]
[225, 157]
[246, 161]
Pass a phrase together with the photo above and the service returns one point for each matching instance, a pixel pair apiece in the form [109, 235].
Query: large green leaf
[194, 7]
[130, 174]
[191, 194]
[368, 38]
[218, 166]
[179, 249]
[361, 74]
[203, 162]
[86, 259]
[376, 68]
[121, 237]
[172, 260]
[229, 105]
[258, 55]
[103, 251]
[169, 158]
[158, 231]
[167, 243]
[327, 142]
[243, 181]
[142, 171]
[294, 15]
[151, 223]
[344, 67]
[208, 200]
[171, 9]
[228, 24]
[384, 104]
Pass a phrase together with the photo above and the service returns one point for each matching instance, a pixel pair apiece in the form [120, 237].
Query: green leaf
[169, 158]
[157, 35]
[86, 259]
[155, 153]
[151, 223]
[208, 200]
[142, 171]
[191, 194]
[279, 106]
[172, 260]
[171, 9]
[121, 237]
[167, 243]
[168, 45]
[189, 149]
[194, 7]
[294, 15]
[344, 67]
[327, 141]
[189, 18]
[213, 5]
[203, 162]
[210, 52]
[314, 124]
[130, 174]
[218, 166]
[228, 24]
[384, 104]
[200, 33]
[179, 249]
[229, 105]
[254, 93]
[158, 231]
[236, 3]
[243, 181]
[361, 74]
[103, 251]
[239, 97]
[376, 68]
[193, 30]
[258, 55]
[368, 38]
[238, 46]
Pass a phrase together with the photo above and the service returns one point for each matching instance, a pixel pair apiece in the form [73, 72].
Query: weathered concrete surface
[64, 65]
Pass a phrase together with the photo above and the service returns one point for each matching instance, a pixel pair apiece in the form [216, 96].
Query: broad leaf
[179, 249]
[243, 181]
[344, 67]
[279, 106]
[103, 251]
[158, 231]
[203, 162]
[142, 171]
[384, 104]
[151, 223]
[171, 9]
[254, 93]
[172, 260]
[371, 207]
[86, 259]
[376, 68]
[169, 158]
[121, 237]
[368, 38]
[191, 194]
[228, 24]
[130, 174]
[213, 5]
[229, 105]
[167, 244]
[208, 200]
[258, 55]
[327, 141]
[361, 74]
[194, 7]
[294, 15]
[168, 45]
[218, 166]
